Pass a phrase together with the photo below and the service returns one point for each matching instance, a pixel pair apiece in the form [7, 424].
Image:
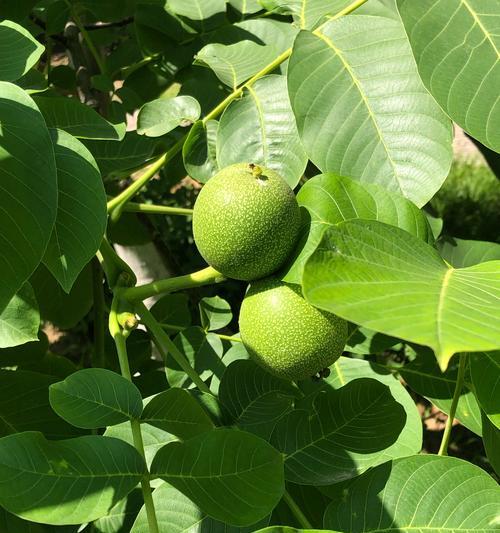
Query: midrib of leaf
[95, 402]
[336, 430]
[260, 114]
[439, 312]
[339, 372]
[357, 83]
[303, 14]
[218, 476]
[477, 21]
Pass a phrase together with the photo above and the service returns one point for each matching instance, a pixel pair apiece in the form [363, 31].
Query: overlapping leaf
[65, 482]
[307, 14]
[485, 374]
[19, 51]
[330, 199]
[423, 492]
[95, 398]
[456, 44]
[28, 185]
[176, 513]
[464, 253]
[161, 116]
[386, 279]
[343, 434]
[215, 313]
[177, 412]
[81, 212]
[199, 150]
[225, 466]
[261, 128]
[362, 110]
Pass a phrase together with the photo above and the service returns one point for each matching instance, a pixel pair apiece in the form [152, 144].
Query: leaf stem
[296, 511]
[443, 449]
[120, 339]
[99, 326]
[86, 37]
[196, 279]
[172, 327]
[133, 207]
[165, 345]
[349, 9]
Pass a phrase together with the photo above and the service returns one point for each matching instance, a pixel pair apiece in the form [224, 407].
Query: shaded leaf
[199, 151]
[232, 475]
[28, 203]
[468, 499]
[491, 441]
[307, 14]
[65, 482]
[177, 412]
[362, 110]
[462, 253]
[78, 119]
[173, 309]
[94, 397]
[81, 212]
[417, 296]
[341, 435]
[485, 375]
[215, 313]
[19, 51]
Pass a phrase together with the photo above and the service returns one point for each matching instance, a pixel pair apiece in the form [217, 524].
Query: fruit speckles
[285, 334]
[246, 225]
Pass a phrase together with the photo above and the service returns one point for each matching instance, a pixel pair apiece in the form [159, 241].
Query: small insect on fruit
[286, 335]
[246, 221]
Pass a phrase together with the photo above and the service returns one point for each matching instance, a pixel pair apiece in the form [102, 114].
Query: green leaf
[246, 7]
[457, 48]
[93, 398]
[28, 203]
[63, 310]
[65, 482]
[491, 441]
[231, 475]
[202, 350]
[341, 435]
[364, 341]
[307, 14]
[24, 405]
[287, 529]
[78, 119]
[176, 513]
[208, 12]
[260, 127]
[424, 376]
[330, 199]
[390, 281]
[81, 213]
[163, 115]
[215, 313]
[173, 309]
[29, 352]
[20, 319]
[346, 370]
[234, 63]
[379, 8]
[199, 150]
[462, 253]
[177, 412]
[423, 492]
[254, 399]
[122, 516]
[115, 158]
[485, 374]
[19, 51]
[362, 110]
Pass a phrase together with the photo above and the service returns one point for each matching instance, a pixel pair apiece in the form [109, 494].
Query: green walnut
[285, 334]
[246, 221]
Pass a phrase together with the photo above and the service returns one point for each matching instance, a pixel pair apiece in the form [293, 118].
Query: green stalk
[116, 269]
[172, 327]
[443, 449]
[121, 348]
[116, 204]
[86, 37]
[133, 207]
[99, 327]
[196, 279]
[349, 9]
[165, 345]
[296, 511]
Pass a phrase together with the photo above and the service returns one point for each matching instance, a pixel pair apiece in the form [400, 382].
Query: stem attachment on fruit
[443, 449]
